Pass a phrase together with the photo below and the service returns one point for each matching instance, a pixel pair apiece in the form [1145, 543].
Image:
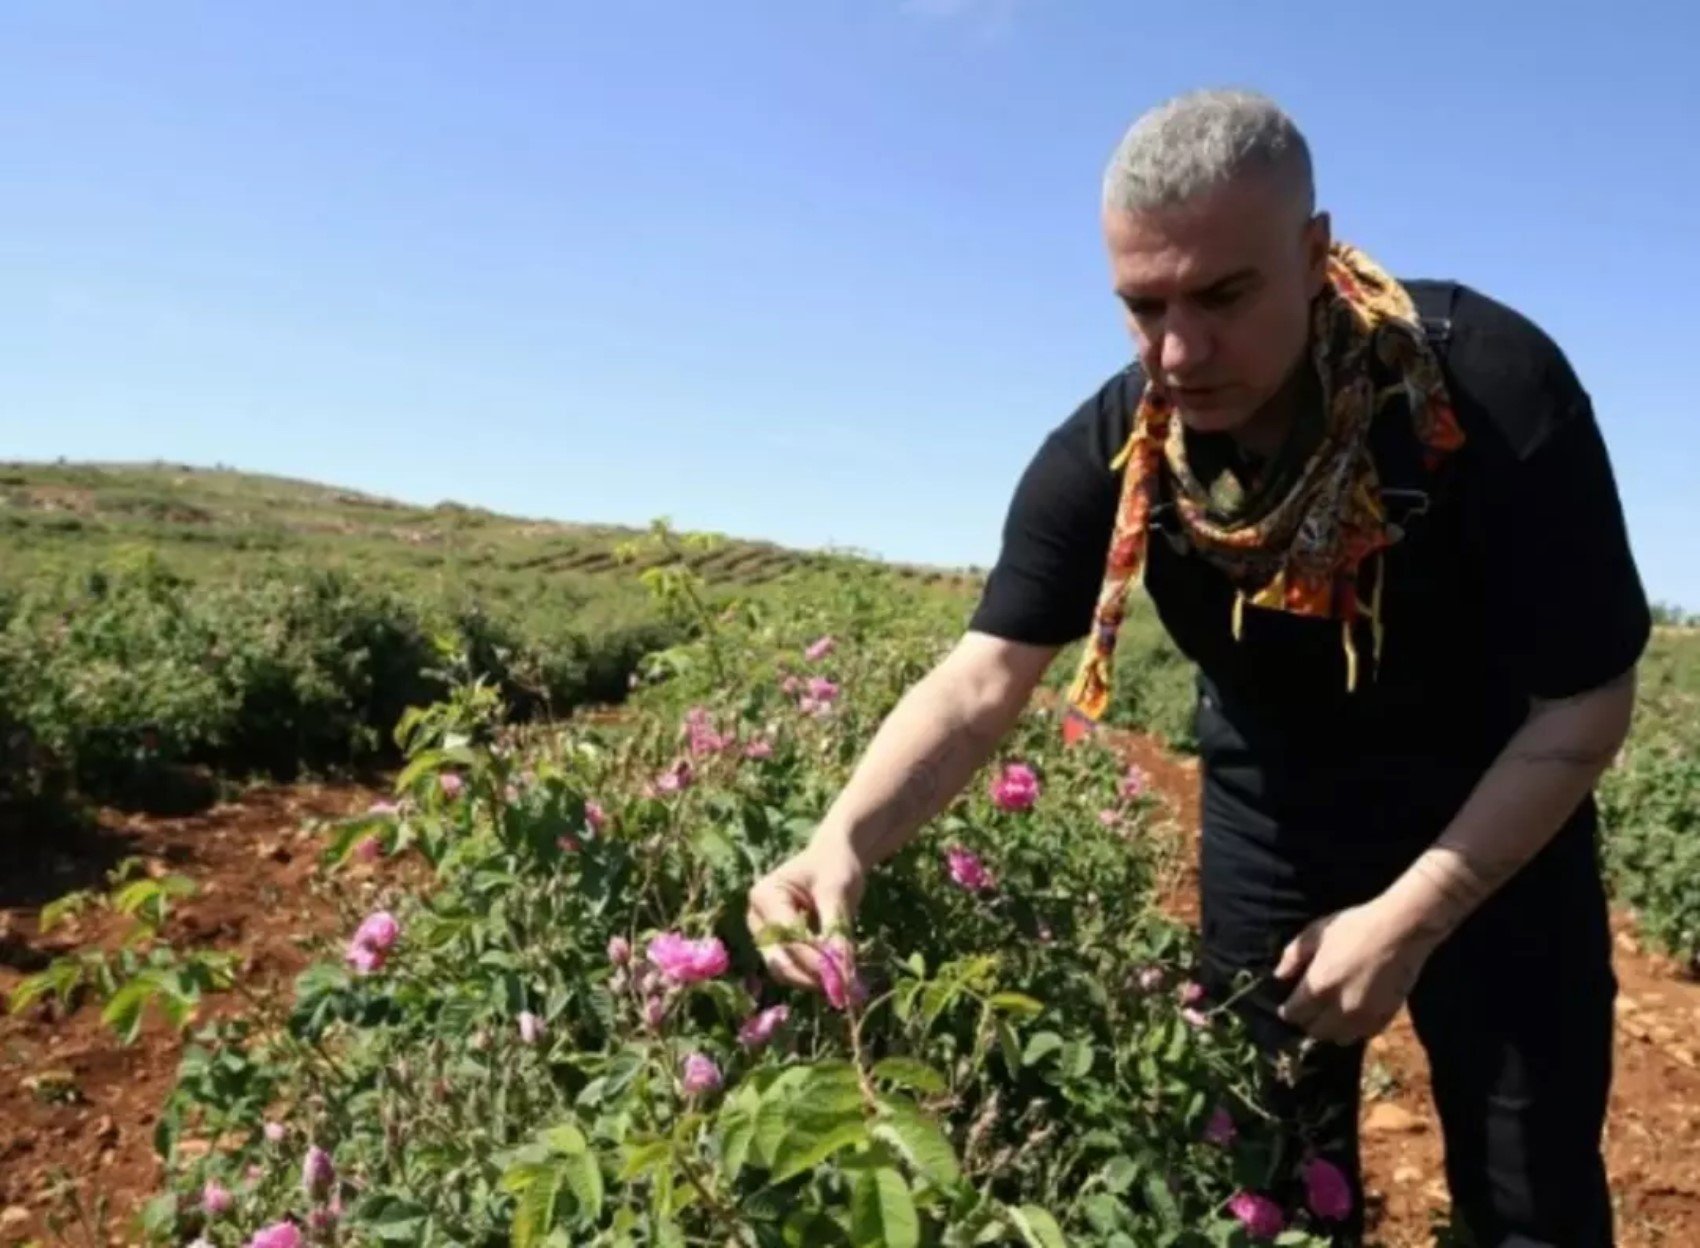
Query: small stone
[13, 1217]
[1389, 1119]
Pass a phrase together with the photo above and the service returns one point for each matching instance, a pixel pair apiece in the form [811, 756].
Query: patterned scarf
[1301, 550]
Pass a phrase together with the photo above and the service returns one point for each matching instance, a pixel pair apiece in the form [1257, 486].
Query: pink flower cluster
[819, 695]
[372, 942]
[1328, 1194]
[277, 1235]
[701, 735]
[1016, 787]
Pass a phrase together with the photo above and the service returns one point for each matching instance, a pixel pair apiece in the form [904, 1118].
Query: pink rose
[1151, 978]
[274, 1132]
[676, 779]
[378, 930]
[370, 849]
[700, 1074]
[595, 816]
[318, 1173]
[451, 784]
[761, 747]
[790, 685]
[686, 961]
[1195, 1018]
[1134, 782]
[822, 690]
[1327, 1191]
[1109, 818]
[1015, 788]
[967, 871]
[216, 1201]
[760, 1028]
[839, 980]
[818, 650]
[277, 1235]
[364, 959]
[1192, 993]
[654, 1012]
[1260, 1216]
[619, 950]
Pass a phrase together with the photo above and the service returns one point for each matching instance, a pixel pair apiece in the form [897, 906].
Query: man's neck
[1263, 434]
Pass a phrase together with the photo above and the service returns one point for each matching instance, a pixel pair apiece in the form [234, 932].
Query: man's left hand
[1352, 971]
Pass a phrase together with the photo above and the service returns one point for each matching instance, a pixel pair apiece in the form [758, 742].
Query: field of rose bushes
[564, 1036]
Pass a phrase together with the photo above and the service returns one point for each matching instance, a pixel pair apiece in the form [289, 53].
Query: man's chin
[1207, 417]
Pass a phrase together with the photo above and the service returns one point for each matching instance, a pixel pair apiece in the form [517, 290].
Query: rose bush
[566, 1038]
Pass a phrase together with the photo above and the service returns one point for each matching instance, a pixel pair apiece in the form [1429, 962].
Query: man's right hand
[808, 897]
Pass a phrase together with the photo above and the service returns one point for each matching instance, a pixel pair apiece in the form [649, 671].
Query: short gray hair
[1193, 143]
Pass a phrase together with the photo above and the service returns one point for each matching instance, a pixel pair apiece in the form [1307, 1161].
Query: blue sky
[819, 272]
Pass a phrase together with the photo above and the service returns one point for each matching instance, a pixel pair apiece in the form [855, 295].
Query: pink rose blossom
[759, 1029]
[277, 1235]
[1192, 993]
[967, 871]
[378, 930]
[790, 685]
[686, 961]
[370, 849]
[654, 1012]
[700, 729]
[216, 1201]
[1195, 1018]
[700, 1075]
[619, 950]
[1151, 978]
[1133, 782]
[838, 976]
[818, 650]
[275, 1132]
[530, 1027]
[318, 1173]
[364, 959]
[761, 747]
[1260, 1216]
[676, 779]
[1327, 1191]
[1109, 818]
[451, 784]
[1015, 788]
[822, 690]
[594, 816]
[1220, 1130]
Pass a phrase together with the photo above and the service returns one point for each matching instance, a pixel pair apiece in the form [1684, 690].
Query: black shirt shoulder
[1056, 532]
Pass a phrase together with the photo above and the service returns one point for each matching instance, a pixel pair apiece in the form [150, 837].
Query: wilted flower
[530, 1027]
[686, 961]
[1134, 782]
[818, 650]
[318, 1173]
[216, 1201]
[654, 1012]
[619, 950]
[451, 784]
[967, 871]
[1327, 1191]
[759, 1028]
[701, 1074]
[277, 1235]
[1260, 1216]
[1015, 788]
[1220, 1130]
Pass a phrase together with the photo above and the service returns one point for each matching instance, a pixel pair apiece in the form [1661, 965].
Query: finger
[782, 964]
[1303, 1006]
[1300, 950]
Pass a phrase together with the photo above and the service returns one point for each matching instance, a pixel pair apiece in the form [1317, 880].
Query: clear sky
[822, 272]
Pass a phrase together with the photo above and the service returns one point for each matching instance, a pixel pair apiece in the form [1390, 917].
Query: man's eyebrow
[1237, 277]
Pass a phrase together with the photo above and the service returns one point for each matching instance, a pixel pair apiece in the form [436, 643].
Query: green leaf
[584, 1176]
[813, 1137]
[1077, 1059]
[740, 1133]
[123, 1013]
[643, 1158]
[394, 1220]
[882, 1213]
[1119, 1174]
[1010, 1045]
[1016, 1003]
[1045, 1042]
[906, 1072]
[535, 1216]
[1162, 1200]
[1037, 1227]
[425, 761]
[566, 1139]
[919, 1139]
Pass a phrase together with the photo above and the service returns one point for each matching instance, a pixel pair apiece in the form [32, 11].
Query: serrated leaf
[535, 1216]
[906, 1072]
[740, 1133]
[642, 1158]
[813, 1138]
[919, 1139]
[1037, 1227]
[566, 1139]
[1161, 1199]
[584, 1176]
[882, 1213]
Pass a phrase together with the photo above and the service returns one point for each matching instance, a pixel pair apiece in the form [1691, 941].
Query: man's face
[1217, 293]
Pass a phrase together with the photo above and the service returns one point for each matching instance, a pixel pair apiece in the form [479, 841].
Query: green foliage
[1000, 1078]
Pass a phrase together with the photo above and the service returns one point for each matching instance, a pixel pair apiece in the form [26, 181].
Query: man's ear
[1318, 238]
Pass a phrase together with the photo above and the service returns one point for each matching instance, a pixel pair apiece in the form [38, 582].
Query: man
[1380, 519]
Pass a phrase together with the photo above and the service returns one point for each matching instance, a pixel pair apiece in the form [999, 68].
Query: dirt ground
[77, 1109]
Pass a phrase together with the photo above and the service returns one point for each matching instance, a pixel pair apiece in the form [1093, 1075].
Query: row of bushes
[110, 677]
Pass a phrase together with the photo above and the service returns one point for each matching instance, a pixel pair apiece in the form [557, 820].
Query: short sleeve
[1056, 535]
[1566, 608]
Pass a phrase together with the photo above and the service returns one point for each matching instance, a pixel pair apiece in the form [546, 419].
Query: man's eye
[1144, 308]
[1216, 300]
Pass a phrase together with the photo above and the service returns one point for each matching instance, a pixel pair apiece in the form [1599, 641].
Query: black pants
[1515, 1012]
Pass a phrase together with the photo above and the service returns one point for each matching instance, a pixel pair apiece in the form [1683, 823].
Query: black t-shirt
[1512, 578]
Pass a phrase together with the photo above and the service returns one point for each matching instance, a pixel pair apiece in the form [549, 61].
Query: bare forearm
[930, 745]
[1545, 770]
